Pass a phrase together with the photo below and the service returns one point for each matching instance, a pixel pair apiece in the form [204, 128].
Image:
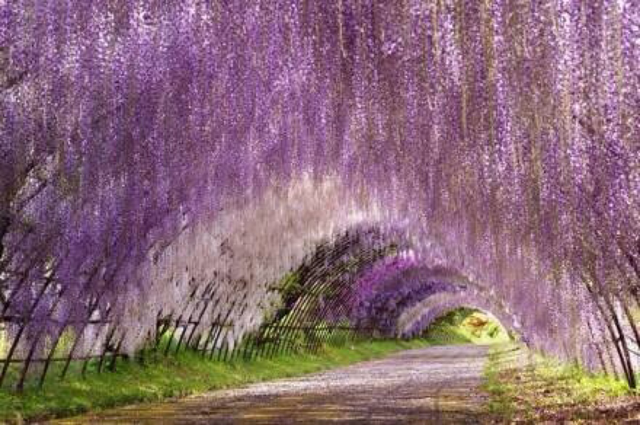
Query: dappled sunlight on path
[430, 385]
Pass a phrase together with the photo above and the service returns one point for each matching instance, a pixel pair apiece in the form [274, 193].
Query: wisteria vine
[162, 162]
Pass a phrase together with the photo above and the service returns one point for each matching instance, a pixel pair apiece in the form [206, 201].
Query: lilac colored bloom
[157, 154]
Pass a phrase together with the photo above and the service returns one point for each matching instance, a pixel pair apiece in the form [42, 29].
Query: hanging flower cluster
[172, 160]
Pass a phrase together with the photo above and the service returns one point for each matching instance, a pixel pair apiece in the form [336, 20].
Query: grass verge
[188, 373]
[178, 375]
[530, 387]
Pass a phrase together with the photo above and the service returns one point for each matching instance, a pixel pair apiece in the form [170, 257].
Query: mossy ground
[530, 387]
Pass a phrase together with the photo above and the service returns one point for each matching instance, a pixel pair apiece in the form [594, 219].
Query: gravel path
[423, 386]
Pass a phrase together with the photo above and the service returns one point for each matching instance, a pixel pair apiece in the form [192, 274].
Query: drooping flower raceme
[175, 159]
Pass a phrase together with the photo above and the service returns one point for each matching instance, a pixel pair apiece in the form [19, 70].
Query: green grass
[502, 402]
[543, 388]
[466, 326]
[177, 375]
[189, 373]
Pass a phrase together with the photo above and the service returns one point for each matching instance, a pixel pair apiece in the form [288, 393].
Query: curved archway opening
[467, 325]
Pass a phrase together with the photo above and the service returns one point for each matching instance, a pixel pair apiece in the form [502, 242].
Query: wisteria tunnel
[246, 178]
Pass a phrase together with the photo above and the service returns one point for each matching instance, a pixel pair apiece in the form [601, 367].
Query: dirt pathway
[423, 386]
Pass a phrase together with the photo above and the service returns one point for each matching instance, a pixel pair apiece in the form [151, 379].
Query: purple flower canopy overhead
[152, 152]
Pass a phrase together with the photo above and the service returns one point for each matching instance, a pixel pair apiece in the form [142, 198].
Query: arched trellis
[314, 304]
[509, 147]
[415, 320]
[324, 276]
